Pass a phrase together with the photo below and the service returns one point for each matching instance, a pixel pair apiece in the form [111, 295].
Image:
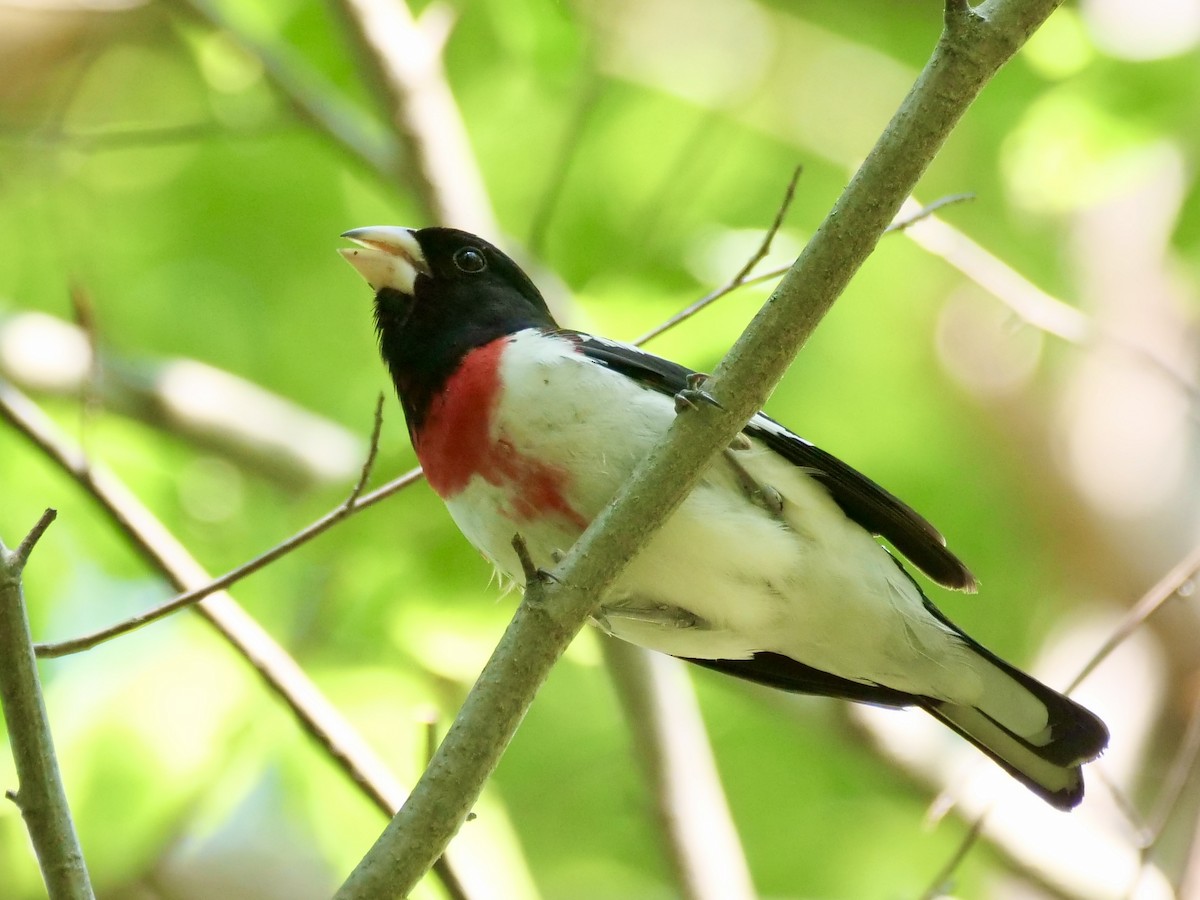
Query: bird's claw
[660, 614]
[533, 573]
[545, 576]
[757, 492]
[694, 394]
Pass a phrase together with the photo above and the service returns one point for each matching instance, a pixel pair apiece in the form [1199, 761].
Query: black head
[439, 293]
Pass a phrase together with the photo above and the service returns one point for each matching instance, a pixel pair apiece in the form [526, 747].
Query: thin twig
[1171, 787]
[904, 221]
[528, 566]
[1143, 835]
[742, 278]
[187, 598]
[21, 555]
[354, 503]
[1168, 586]
[165, 554]
[372, 454]
[1026, 300]
[765, 247]
[310, 97]
[40, 795]
[942, 879]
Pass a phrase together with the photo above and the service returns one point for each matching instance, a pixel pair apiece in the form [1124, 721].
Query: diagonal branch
[973, 46]
[742, 278]
[255, 428]
[403, 63]
[167, 555]
[669, 741]
[1171, 584]
[198, 593]
[312, 99]
[354, 503]
[162, 550]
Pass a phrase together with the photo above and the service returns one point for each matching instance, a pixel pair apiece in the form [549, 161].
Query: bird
[771, 570]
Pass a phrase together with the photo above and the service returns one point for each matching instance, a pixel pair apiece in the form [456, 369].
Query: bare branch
[40, 795]
[1168, 586]
[403, 64]
[939, 886]
[372, 453]
[165, 554]
[672, 745]
[16, 562]
[907, 218]
[527, 564]
[354, 503]
[313, 100]
[1171, 786]
[1030, 303]
[254, 428]
[742, 278]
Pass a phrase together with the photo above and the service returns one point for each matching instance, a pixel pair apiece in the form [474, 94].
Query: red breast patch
[456, 442]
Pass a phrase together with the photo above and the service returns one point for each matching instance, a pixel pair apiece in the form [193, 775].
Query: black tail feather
[1051, 770]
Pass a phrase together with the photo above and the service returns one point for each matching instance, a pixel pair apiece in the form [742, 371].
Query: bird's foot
[659, 614]
[694, 394]
[533, 573]
[759, 494]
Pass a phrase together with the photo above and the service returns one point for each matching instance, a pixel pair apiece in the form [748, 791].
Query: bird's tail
[1036, 734]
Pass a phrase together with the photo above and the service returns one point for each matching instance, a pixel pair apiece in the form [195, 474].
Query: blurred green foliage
[145, 158]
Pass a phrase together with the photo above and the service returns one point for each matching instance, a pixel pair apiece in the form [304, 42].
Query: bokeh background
[173, 180]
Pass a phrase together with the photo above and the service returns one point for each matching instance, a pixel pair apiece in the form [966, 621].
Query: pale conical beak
[387, 256]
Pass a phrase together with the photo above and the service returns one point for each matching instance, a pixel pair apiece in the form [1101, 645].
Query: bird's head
[444, 278]
[439, 293]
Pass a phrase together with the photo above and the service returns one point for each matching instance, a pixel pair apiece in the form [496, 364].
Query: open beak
[386, 256]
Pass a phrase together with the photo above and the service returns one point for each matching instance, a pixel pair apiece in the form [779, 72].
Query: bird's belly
[490, 515]
[725, 577]
[720, 580]
[724, 580]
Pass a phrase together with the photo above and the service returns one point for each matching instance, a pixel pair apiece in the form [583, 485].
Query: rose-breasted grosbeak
[769, 571]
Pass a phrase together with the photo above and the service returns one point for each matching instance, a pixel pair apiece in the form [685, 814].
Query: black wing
[783, 672]
[861, 499]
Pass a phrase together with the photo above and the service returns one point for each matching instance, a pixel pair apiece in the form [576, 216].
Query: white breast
[809, 584]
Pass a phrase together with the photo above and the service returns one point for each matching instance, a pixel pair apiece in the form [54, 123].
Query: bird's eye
[470, 260]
